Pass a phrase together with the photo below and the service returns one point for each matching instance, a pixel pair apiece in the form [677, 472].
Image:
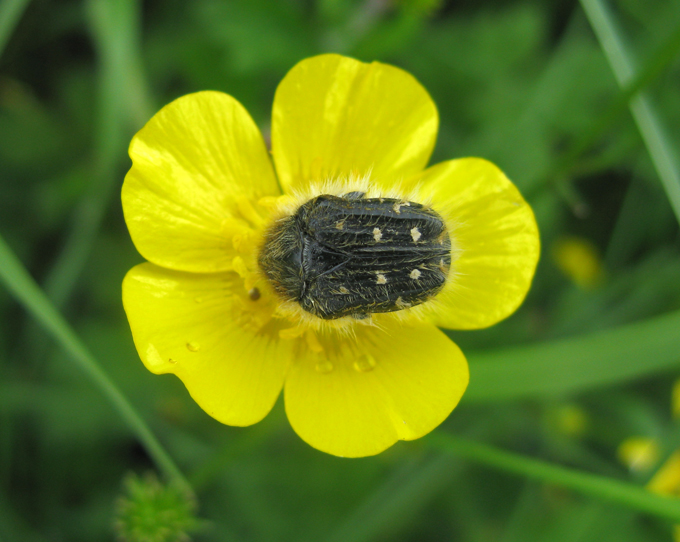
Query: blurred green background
[588, 362]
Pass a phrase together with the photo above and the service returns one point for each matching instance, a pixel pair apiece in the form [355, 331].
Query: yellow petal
[666, 481]
[191, 163]
[185, 324]
[363, 394]
[336, 117]
[496, 235]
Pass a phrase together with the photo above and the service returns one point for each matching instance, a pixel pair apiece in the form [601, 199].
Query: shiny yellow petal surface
[496, 235]
[336, 117]
[359, 396]
[193, 162]
[191, 325]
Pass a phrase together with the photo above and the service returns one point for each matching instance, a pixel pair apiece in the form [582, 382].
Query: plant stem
[22, 286]
[592, 485]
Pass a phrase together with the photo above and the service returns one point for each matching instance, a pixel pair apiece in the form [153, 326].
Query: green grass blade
[645, 116]
[122, 101]
[592, 485]
[10, 13]
[22, 286]
[653, 68]
[577, 363]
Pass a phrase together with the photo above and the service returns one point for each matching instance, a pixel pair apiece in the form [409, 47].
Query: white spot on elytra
[415, 274]
[377, 234]
[381, 279]
[415, 234]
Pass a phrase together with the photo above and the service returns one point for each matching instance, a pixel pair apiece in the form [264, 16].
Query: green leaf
[578, 363]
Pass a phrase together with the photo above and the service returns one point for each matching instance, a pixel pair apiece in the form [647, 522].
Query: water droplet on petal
[365, 363]
[193, 347]
[324, 367]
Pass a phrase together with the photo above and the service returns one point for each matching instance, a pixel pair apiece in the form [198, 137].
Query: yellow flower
[579, 260]
[639, 454]
[203, 193]
[666, 481]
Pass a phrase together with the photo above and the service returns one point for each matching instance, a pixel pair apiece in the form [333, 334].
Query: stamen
[313, 342]
[248, 211]
[240, 267]
[249, 283]
[291, 333]
[249, 316]
[243, 241]
[233, 226]
[272, 202]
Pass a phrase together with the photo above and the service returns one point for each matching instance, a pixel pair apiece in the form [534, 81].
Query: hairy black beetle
[352, 256]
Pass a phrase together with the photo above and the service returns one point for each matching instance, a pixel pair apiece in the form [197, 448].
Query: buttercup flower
[207, 206]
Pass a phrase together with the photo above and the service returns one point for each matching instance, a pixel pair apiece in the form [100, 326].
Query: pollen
[381, 279]
[377, 234]
[343, 290]
[339, 225]
[415, 234]
[415, 274]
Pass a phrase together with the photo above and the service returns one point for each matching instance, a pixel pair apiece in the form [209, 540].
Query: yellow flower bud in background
[580, 260]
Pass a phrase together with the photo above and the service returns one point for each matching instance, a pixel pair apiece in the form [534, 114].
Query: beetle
[353, 256]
